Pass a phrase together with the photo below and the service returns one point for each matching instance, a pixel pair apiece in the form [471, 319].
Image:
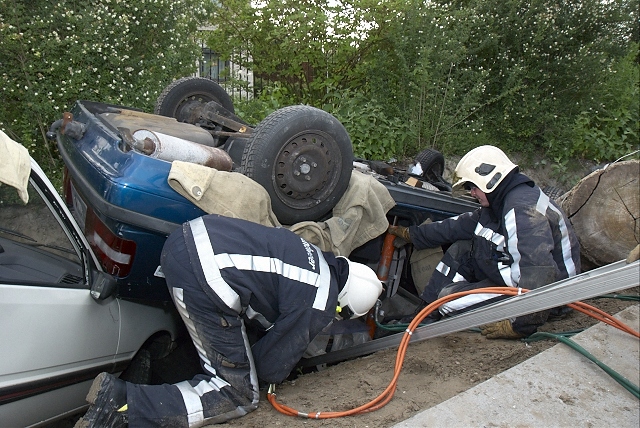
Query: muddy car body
[125, 195]
[121, 197]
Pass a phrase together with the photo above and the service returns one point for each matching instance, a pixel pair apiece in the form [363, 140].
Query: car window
[34, 247]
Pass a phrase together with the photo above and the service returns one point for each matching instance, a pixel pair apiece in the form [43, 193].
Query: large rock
[604, 209]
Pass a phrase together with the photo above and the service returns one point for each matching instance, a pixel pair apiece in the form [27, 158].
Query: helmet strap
[344, 312]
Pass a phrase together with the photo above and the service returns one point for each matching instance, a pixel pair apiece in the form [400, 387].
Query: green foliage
[611, 130]
[307, 46]
[374, 135]
[313, 50]
[553, 56]
[120, 52]
[254, 110]
[455, 75]
[402, 75]
[441, 95]
[506, 73]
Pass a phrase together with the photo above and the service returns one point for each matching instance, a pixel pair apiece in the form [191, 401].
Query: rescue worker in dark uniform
[517, 238]
[226, 275]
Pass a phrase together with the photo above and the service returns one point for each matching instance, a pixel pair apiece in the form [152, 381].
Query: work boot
[559, 313]
[107, 396]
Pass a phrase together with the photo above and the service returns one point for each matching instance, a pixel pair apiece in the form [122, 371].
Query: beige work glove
[500, 330]
[634, 254]
[400, 231]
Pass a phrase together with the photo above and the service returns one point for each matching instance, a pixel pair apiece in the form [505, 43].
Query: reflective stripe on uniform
[506, 274]
[253, 374]
[211, 271]
[323, 283]
[498, 240]
[458, 278]
[511, 274]
[192, 395]
[267, 264]
[543, 203]
[252, 314]
[490, 235]
[465, 302]
[192, 402]
[178, 299]
[443, 269]
[565, 243]
[542, 206]
[212, 264]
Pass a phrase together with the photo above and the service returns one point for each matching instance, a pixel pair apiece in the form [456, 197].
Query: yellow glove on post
[400, 231]
[500, 330]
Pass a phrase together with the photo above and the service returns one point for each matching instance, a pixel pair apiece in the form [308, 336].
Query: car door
[53, 334]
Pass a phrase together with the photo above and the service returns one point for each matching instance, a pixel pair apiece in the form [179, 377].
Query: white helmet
[484, 166]
[361, 290]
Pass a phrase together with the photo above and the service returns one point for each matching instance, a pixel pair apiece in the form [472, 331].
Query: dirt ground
[433, 371]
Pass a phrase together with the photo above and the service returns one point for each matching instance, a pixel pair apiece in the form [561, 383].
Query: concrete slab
[557, 388]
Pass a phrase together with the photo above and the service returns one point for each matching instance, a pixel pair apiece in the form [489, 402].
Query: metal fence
[238, 81]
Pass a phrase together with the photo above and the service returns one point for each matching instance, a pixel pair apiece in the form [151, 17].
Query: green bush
[545, 78]
[254, 110]
[373, 134]
[119, 52]
[611, 130]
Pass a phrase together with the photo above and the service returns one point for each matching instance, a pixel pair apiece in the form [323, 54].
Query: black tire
[303, 157]
[139, 369]
[179, 97]
[235, 148]
[553, 192]
[432, 163]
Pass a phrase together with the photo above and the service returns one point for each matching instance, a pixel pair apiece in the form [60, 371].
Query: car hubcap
[306, 169]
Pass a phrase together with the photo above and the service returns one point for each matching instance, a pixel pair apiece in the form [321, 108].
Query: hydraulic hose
[562, 337]
[629, 297]
[386, 395]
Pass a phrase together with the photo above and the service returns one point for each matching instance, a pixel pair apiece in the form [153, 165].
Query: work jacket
[277, 281]
[523, 239]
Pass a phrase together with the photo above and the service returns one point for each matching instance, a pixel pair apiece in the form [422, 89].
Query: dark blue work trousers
[228, 386]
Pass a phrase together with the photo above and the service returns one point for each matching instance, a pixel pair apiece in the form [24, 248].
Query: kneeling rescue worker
[517, 238]
[230, 278]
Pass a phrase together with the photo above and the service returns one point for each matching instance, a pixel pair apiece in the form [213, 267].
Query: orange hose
[386, 395]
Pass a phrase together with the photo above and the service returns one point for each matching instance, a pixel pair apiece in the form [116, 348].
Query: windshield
[34, 247]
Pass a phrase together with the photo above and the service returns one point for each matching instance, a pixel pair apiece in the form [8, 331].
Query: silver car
[60, 322]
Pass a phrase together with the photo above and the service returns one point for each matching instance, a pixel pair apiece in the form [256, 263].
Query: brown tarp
[358, 217]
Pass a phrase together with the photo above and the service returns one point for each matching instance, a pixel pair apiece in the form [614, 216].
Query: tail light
[115, 253]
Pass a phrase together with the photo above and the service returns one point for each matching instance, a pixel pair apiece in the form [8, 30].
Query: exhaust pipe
[170, 148]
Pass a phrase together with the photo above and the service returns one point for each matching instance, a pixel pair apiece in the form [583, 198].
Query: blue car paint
[129, 192]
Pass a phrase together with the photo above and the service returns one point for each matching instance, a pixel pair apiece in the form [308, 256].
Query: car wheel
[432, 165]
[139, 369]
[303, 157]
[180, 97]
[235, 148]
